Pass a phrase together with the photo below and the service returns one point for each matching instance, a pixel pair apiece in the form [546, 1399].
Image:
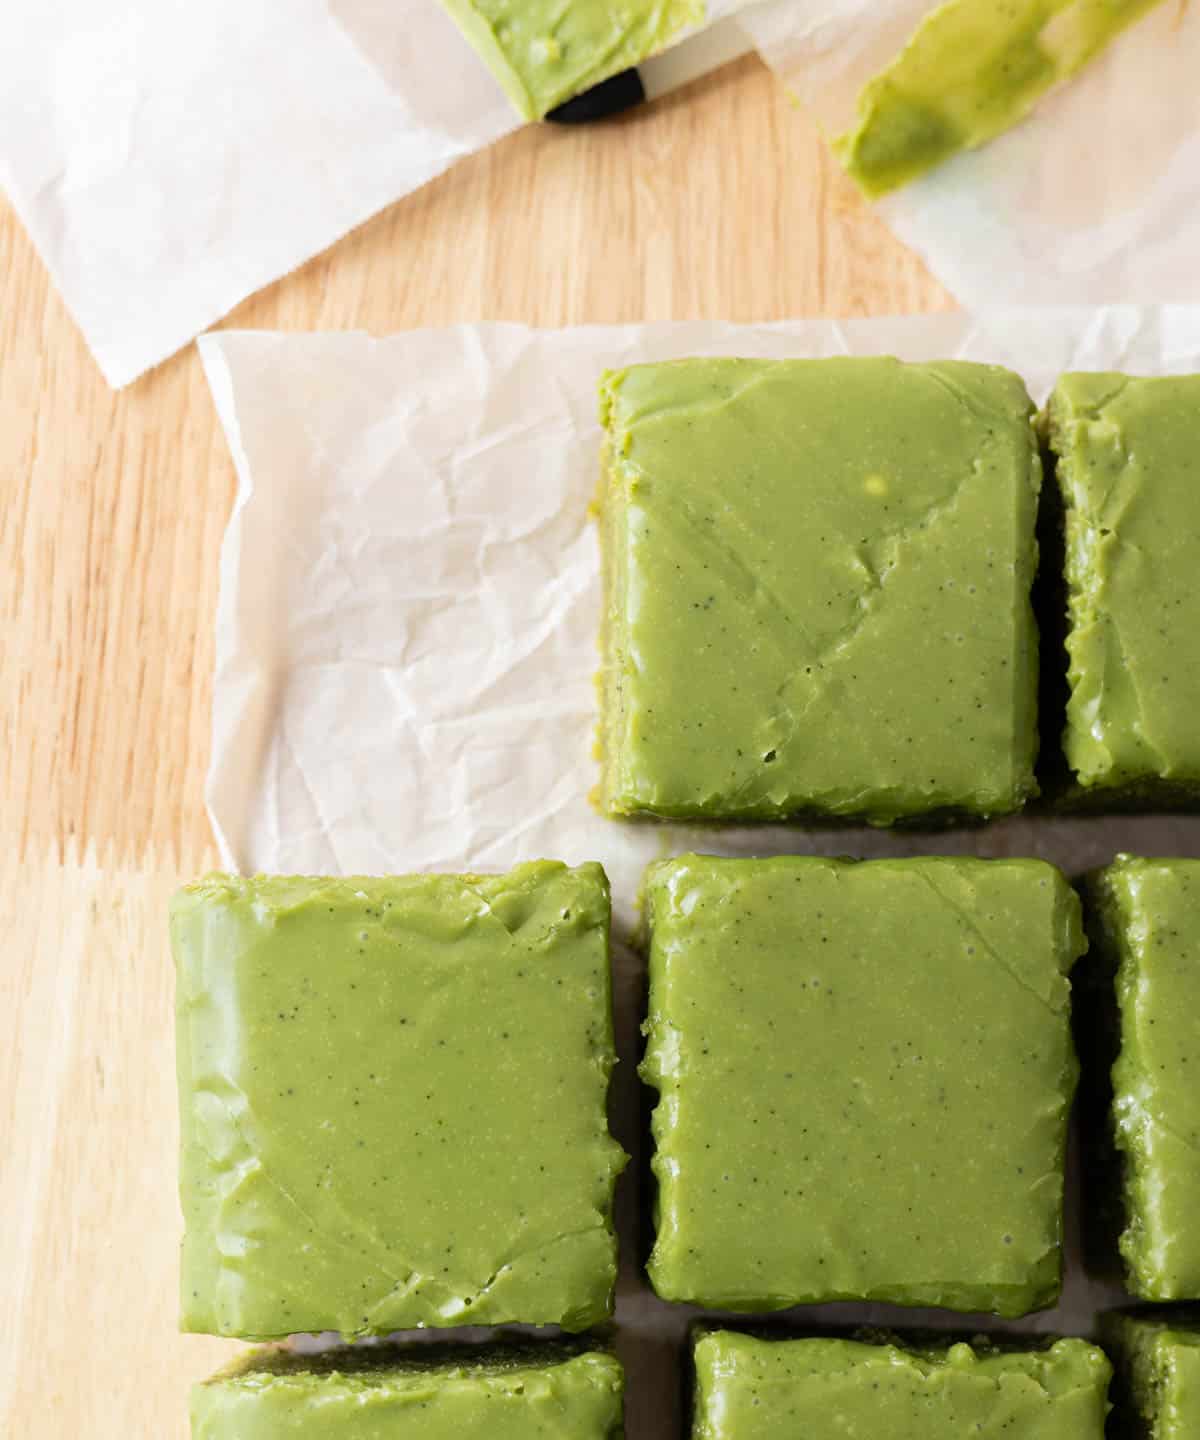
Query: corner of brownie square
[1156, 1391]
[545, 53]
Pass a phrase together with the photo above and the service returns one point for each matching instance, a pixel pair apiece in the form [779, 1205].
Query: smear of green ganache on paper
[971, 70]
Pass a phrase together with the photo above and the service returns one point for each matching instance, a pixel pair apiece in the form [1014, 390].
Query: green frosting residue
[545, 51]
[1128, 468]
[384, 1394]
[970, 70]
[393, 1101]
[1149, 917]
[1157, 1394]
[751, 1389]
[864, 1072]
[817, 577]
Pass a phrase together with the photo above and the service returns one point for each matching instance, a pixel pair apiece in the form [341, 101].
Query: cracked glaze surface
[393, 1101]
[750, 1389]
[1157, 1359]
[545, 51]
[824, 1033]
[1149, 920]
[382, 1394]
[817, 578]
[1128, 470]
[972, 69]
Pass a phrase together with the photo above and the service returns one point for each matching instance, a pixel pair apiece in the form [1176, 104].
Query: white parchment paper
[406, 642]
[169, 159]
[1095, 199]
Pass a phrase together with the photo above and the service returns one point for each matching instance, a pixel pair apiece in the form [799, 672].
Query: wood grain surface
[718, 202]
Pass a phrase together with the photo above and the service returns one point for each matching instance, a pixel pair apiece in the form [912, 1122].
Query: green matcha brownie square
[1157, 1389]
[1145, 920]
[544, 52]
[864, 1072]
[817, 581]
[1127, 454]
[393, 1101]
[427, 1393]
[756, 1389]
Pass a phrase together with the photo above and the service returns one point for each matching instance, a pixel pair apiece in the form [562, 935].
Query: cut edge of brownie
[1067, 603]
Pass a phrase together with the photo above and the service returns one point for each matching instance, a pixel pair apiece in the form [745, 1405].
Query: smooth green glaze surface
[1128, 470]
[1149, 921]
[545, 51]
[971, 69]
[750, 1389]
[393, 1101]
[1157, 1357]
[817, 577]
[385, 1395]
[864, 1075]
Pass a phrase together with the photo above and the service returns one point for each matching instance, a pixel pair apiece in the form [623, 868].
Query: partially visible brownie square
[760, 1389]
[818, 583]
[1127, 467]
[416, 1393]
[545, 52]
[1156, 1394]
[864, 1072]
[1145, 919]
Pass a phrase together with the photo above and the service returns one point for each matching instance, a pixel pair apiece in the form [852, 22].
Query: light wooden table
[717, 202]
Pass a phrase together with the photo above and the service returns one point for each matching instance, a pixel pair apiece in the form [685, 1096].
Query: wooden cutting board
[718, 202]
